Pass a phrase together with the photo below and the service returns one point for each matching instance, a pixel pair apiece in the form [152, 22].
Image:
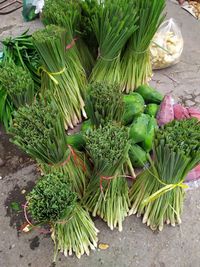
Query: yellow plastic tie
[164, 190]
[52, 74]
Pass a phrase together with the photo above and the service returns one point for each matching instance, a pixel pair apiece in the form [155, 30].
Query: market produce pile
[90, 66]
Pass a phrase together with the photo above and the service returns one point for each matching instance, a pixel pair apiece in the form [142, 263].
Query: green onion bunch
[16, 89]
[113, 24]
[67, 14]
[53, 201]
[56, 74]
[104, 103]
[22, 52]
[107, 192]
[39, 131]
[136, 64]
[158, 192]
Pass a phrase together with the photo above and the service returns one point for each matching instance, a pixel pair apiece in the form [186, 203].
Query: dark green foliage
[51, 199]
[104, 103]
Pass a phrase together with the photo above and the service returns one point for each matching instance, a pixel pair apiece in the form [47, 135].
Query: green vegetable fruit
[134, 105]
[86, 125]
[152, 109]
[139, 128]
[149, 94]
[76, 141]
[137, 156]
[147, 144]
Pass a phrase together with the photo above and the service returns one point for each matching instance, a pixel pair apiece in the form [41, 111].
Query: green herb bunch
[39, 131]
[104, 103]
[158, 193]
[113, 24]
[107, 192]
[52, 199]
[67, 14]
[136, 65]
[22, 52]
[16, 89]
[56, 74]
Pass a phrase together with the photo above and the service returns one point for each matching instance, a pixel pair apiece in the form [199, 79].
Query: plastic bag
[167, 45]
[31, 9]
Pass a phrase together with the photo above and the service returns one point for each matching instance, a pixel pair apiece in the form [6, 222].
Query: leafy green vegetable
[113, 24]
[56, 74]
[104, 103]
[158, 192]
[52, 199]
[136, 64]
[107, 192]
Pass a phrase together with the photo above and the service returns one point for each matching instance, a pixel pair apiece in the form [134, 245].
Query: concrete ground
[137, 245]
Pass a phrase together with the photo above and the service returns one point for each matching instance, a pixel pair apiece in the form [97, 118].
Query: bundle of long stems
[158, 193]
[107, 192]
[104, 103]
[67, 14]
[56, 74]
[16, 89]
[22, 52]
[39, 131]
[53, 201]
[113, 24]
[136, 64]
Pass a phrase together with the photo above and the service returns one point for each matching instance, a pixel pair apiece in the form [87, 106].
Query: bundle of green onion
[39, 131]
[16, 89]
[107, 192]
[113, 25]
[158, 192]
[136, 64]
[22, 52]
[56, 74]
[52, 201]
[104, 103]
[67, 14]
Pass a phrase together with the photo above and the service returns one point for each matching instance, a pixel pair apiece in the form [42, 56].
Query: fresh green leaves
[39, 130]
[104, 103]
[51, 199]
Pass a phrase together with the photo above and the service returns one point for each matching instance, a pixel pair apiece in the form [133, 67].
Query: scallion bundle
[67, 14]
[136, 64]
[107, 192]
[16, 89]
[39, 131]
[56, 74]
[52, 201]
[113, 24]
[104, 103]
[158, 193]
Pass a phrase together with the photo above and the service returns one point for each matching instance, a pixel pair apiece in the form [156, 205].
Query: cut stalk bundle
[53, 201]
[22, 52]
[16, 89]
[113, 25]
[67, 14]
[158, 192]
[104, 103]
[136, 64]
[39, 131]
[107, 192]
[56, 75]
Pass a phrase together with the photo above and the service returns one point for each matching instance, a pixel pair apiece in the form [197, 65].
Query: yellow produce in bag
[167, 45]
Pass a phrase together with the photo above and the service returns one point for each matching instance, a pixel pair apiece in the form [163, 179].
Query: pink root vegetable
[195, 113]
[194, 174]
[180, 112]
[166, 112]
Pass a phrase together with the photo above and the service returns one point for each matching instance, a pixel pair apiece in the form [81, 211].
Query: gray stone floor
[136, 246]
